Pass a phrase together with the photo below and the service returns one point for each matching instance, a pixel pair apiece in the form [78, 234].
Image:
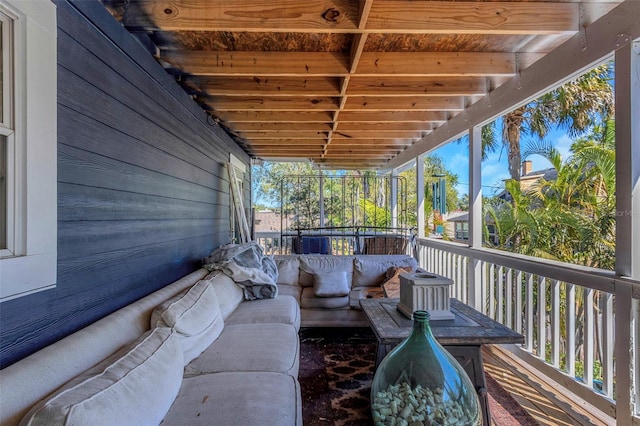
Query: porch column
[394, 198]
[627, 102]
[475, 215]
[321, 190]
[420, 195]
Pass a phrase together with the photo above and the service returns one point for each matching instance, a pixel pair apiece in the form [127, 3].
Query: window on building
[6, 126]
[28, 143]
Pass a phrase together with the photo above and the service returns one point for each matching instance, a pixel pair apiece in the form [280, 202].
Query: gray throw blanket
[248, 266]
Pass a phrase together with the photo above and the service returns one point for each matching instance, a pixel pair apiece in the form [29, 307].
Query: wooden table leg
[470, 357]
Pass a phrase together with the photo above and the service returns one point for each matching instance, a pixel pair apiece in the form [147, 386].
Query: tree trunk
[512, 130]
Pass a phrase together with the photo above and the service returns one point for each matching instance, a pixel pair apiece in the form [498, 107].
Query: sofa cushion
[136, 385]
[371, 272]
[330, 284]
[195, 315]
[317, 264]
[358, 293]
[288, 270]
[238, 398]
[250, 347]
[308, 300]
[290, 290]
[283, 310]
[230, 295]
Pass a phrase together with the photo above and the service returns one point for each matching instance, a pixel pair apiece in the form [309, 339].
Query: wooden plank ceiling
[345, 83]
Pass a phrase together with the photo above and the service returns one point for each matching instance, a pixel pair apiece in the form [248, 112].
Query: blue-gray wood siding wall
[143, 193]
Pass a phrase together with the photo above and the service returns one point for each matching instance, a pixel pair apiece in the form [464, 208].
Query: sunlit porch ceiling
[345, 83]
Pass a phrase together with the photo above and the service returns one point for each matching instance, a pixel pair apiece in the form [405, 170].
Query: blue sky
[494, 170]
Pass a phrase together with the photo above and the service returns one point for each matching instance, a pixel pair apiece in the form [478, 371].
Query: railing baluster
[500, 295]
[509, 299]
[588, 331]
[518, 324]
[529, 310]
[608, 338]
[542, 318]
[555, 323]
[492, 300]
[570, 315]
[483, 287]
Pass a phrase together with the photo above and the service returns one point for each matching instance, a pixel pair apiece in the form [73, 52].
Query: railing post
[475, 216]
[420, 196]
[394, 198]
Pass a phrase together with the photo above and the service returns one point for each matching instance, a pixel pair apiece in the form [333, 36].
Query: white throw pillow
[195, 315]
[331, 284]
[135, 386]
[317, 264]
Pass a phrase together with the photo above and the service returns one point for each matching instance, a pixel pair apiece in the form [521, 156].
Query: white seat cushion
[135, 386]
[308, 300]
[238, 398]
[250, 347]
[281, 310]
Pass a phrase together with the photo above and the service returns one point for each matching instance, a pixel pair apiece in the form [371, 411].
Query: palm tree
[576, 106]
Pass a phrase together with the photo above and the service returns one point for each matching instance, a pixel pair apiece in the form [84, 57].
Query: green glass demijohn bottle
[420, 383]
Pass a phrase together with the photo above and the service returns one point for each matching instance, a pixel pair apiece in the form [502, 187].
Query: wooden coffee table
[462, 336]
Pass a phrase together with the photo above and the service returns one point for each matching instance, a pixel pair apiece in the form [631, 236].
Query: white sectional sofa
[329, 288]
[191, 353]
[194, 352]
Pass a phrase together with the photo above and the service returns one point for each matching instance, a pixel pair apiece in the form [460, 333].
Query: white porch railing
[339, 243]
[566, 313]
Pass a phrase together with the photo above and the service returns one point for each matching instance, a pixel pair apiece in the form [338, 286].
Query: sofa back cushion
[288, 270]
[371, 271]
[136, 385]
[318, 264]
[195, 316]
[230, 295]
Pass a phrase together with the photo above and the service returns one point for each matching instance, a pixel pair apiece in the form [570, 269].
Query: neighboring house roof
[529, 179]
[459, 216]
[267, 220]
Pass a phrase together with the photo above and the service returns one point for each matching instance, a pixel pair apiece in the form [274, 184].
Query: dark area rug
[336, 370]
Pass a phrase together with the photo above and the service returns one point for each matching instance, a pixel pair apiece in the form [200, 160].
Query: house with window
[120, 121]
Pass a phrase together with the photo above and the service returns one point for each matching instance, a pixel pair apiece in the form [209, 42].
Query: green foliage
[570, 218]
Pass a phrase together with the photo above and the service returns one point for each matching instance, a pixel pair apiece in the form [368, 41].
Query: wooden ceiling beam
[304, 64]
[392, 116]
[405, 103]
[243, 15]
[285, 134]
[327, 64]
[240, 103]
[417, 86]
[344, 16]
[384, 126]
[263, 86]
[391, 142]
[287, 143]
[374, 134]
[275, 126]
[274, 116]
[437, 64]
[445, 17]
